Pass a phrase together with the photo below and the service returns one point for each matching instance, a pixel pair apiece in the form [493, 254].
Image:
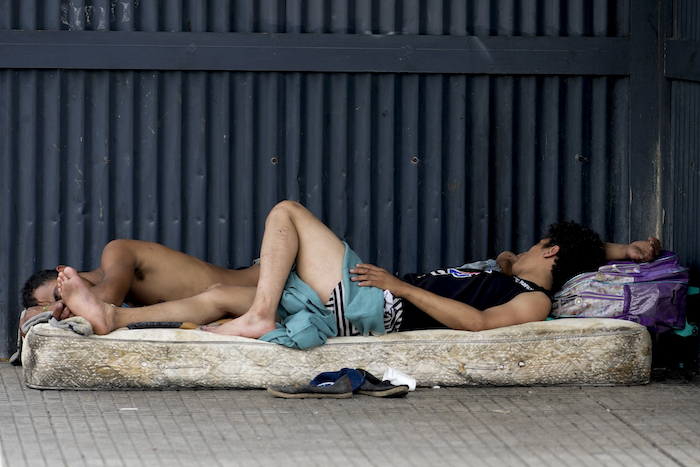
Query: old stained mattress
[566, 351]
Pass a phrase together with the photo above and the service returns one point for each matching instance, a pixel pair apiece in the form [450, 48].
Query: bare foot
[82, 302]
[248, 325]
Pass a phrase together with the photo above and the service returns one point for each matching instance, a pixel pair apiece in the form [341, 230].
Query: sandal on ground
[373, 386]
[340, 385]
[340, 389]
[336, 385]
[356, 378]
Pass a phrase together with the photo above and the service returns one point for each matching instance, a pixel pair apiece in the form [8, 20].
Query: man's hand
[369, 275]
[505, 261]
[640, 251]
[61, 311]
[58, 309]
[643, 251]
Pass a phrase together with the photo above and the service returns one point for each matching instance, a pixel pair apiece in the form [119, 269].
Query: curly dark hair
[33, 283]
[580, 250]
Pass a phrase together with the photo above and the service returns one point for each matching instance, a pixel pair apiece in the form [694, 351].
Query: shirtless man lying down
[135, 273]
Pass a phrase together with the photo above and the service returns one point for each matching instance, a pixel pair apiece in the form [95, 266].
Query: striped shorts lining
[393, 313]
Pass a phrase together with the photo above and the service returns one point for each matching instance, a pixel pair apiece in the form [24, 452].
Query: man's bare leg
[215, 303]
[292, 234]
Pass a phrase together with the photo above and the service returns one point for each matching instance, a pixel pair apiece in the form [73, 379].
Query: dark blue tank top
[480, 289]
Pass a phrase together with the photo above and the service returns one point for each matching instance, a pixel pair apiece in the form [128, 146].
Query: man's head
[39, 288]
[580, 250]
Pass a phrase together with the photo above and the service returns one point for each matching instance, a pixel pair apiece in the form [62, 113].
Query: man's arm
[118, 264]
[526, 307]
[37, 310]
[640, 251]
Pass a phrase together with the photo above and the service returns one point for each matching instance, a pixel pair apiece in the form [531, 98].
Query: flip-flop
[373, 386]
[341, 388]
[356, 378]
[340, 385]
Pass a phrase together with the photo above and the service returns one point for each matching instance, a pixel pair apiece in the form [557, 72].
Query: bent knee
[287, 208]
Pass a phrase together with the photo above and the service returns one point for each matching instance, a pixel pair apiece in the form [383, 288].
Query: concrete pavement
[656, 424]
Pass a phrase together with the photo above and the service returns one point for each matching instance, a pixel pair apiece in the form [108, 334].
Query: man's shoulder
[530, 286]
[536, 298]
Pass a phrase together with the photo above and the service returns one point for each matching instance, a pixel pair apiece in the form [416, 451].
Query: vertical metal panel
[430, 190]
[337, 191]
[170, 159]
[220, 189]
[455, 169]
[9, 241]
[415, 171]
[121, 133]
[683, 216]
[572, 151]
[478, 156]
[360, 196]
[195, 165]
[49, 160]
[684, 191]
[525, 163]
[552, 18]
[600, 135]
[72, 184]
[407, 166]
[146, 166]
[686, 20]
[385, 174]
[292, 134]
[619, 185]
[383, 178]
[648, 113]
[97, 164]
[549, 176]
[504, 195]
[243, 215]
[313, 139]
[9, 307]
[24, 173]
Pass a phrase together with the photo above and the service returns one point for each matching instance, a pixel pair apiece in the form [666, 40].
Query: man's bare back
[162, 274]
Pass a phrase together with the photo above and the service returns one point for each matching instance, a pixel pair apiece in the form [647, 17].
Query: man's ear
[551, 251]
[60, 268]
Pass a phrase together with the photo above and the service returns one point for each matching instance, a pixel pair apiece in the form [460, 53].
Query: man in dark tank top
[321, 264]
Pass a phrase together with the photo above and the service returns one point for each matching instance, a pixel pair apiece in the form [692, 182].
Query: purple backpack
[652, 294]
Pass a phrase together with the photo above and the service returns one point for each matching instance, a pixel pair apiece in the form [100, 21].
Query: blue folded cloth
[305, 320]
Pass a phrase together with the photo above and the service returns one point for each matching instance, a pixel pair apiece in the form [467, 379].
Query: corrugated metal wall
[416, 171]
[683, 199]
